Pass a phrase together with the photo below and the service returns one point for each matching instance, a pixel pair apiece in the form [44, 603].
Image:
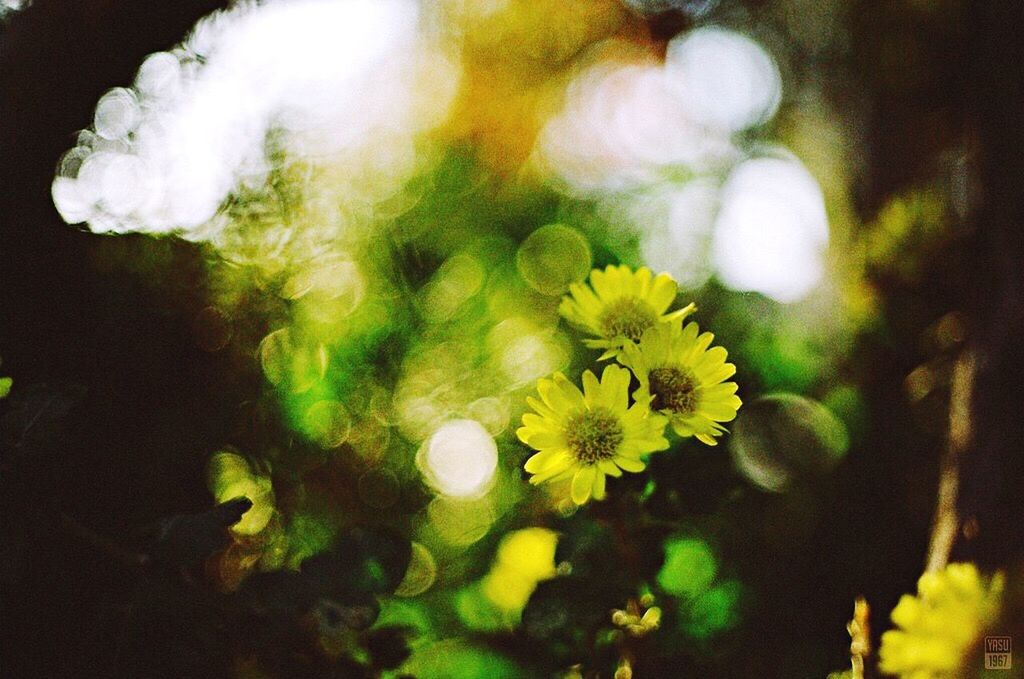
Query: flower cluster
[588, 435]
[938, 627]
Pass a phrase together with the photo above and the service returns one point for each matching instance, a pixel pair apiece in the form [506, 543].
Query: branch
[946, 522]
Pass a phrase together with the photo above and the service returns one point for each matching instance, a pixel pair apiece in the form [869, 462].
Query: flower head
[681, 377]
[620, 304]
[938, 627]
[586, 435]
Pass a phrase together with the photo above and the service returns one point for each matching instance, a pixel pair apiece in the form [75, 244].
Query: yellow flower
[684, 379]
[620, 304]
[590, 434]
[938, 627]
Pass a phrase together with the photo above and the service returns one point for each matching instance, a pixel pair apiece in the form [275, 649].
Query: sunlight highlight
[771, 231]
[724, 79]
[460, 459]
[338, 84]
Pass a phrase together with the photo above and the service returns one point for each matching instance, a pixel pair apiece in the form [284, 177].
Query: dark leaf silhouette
[696, 483]
[186, 539]
[362, 562]
[388, 647]
[334, 616]
[338, 587]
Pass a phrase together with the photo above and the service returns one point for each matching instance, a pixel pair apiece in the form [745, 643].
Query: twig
[946, 522]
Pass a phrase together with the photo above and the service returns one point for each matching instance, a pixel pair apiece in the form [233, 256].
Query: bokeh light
[292, 362]
[454, 284]
[457, 659]
[623, 128]
[771, 231]
[328, 423]
[689, 568]
[349, 85]
[8, 6]
[525, 352]
[724, 79]
[552, 257]
[459, 460]
[231, 476]
[693, 8]
[459, 523]
[677, 226]
[421, 573]
[782, 438]
[714, 610]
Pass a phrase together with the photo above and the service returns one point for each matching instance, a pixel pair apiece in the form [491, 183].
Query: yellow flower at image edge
[684, 379]
[620, 304]
[938, 627]
[588, 435]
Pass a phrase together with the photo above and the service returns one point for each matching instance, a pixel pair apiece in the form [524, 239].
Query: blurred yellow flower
[684, 379]
[938, 627]
[590, 434]
[525, 558]
[620, 304]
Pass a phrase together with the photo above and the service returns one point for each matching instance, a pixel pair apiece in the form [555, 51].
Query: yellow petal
[641, 282]
[598, 485]
[573, 397]
[720, 412]
[615, 388]
[689, 334]
[679, 314]
[713, 356]
[552, 469]
[541, 409]
[586, 299]
[609, 468]
[591, 389]
[534, 421]
[583, 484]
[711, 374]
[571, 311]
[662, 294]
[602, 286]
[718, 392]
[537, 463]
[544, 439]
[630, 464]
[550, 394]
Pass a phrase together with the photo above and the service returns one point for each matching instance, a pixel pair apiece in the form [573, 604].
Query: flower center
[627, 317]
[594, 435]
[674, 389]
